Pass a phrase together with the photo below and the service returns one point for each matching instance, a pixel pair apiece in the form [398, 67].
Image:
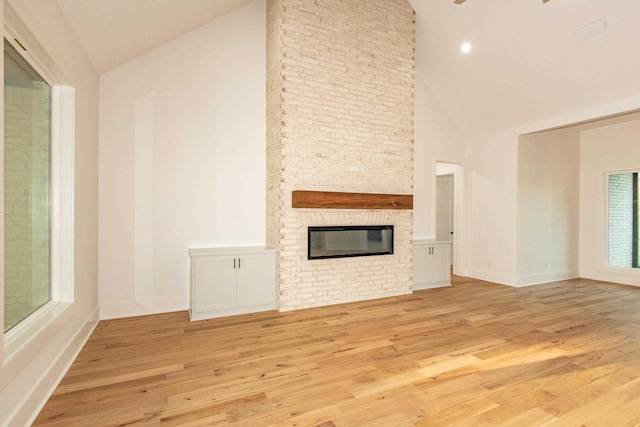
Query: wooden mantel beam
[336, 200]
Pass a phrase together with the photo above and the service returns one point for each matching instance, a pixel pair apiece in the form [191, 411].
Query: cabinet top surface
[419, 242]
[230, 250]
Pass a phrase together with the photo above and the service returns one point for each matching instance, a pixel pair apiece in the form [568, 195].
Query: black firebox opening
[349, 241]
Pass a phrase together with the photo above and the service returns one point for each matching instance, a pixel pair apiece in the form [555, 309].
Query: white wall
[182, 160]
[548, 205]
[492, 174]
[604, 149]
[436, 139]
[27, 379]
[177, 125]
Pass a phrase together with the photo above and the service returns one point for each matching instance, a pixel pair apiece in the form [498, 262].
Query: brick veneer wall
[340, 104]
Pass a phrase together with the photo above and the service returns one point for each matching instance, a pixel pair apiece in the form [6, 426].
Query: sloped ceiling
[114, 32]
[526, 63]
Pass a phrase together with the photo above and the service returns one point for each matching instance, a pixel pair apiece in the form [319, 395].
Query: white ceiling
[526, 63]
[114, 32]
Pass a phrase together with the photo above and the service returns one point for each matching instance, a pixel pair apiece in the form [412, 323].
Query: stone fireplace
[340, 103]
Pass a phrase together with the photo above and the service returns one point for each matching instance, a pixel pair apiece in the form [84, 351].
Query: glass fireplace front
[349, 241]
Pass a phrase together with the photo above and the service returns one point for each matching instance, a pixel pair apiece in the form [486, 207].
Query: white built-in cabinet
[431, 264]
[229, 281]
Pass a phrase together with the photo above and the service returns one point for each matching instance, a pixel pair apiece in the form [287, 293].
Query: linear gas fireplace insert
[349, 241]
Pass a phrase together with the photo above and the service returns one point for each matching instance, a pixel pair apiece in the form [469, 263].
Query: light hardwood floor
[561, 354]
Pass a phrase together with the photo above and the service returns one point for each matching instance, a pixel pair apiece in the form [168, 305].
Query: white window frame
[625, 271]
[55, 312]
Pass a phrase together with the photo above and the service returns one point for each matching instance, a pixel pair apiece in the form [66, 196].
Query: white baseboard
[141, 308]
[630, 277]
[423, 286]
[538, 279]
[230, 311]
[489, 276]
[29, 408]
[521, 281]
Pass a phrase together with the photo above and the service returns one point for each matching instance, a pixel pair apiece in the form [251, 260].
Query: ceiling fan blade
[544, 1]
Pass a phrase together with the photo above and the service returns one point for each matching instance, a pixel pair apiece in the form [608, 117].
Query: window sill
[623, 271]
[31, 328]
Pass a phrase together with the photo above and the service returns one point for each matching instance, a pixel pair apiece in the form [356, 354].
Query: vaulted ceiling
[526, 62]
[114, 32]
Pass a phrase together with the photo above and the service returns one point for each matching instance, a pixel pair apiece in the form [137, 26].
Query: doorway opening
[448, 211]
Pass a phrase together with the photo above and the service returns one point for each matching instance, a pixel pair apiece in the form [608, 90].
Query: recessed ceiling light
[466, 47]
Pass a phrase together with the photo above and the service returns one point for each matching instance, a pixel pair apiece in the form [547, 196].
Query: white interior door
[444, 210]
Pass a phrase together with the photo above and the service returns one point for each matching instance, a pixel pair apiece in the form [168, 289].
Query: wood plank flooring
[477, 353]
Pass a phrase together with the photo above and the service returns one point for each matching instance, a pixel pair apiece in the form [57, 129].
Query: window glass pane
[623, 220]
[27, 189]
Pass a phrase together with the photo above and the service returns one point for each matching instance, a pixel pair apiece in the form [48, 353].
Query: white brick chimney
[340, 106]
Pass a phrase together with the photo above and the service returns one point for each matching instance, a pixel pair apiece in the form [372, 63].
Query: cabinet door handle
[238, 262]
[234, 263]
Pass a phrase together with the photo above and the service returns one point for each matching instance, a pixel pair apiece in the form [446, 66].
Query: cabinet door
[215, 283]
[438, 268]
[256, 280]
[420, 269]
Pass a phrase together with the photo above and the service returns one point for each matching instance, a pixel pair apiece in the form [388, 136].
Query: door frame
[459, 248]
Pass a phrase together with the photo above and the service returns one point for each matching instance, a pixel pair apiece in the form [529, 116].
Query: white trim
[55, 188]
[538, 279]
[522, 281]
[62, 164]
[62, 230]
[612, 269]
[613, 275]
[25, 332]
[426, 285]
[29, 47]
[459, 240]
[230, 311]
[38, 351]
[141, 308]
[65, 96]
[604, 256]
[489, 276]
[30, 405]
[632, 274]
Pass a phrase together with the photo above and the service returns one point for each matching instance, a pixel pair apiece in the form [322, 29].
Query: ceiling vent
[591, 30]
